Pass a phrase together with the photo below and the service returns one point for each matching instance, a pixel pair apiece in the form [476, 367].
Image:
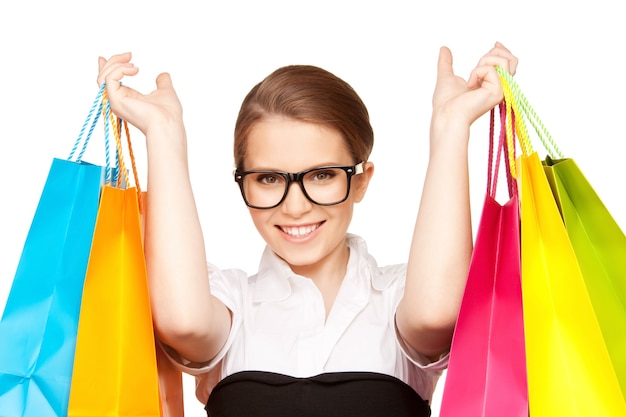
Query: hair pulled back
[309, 94]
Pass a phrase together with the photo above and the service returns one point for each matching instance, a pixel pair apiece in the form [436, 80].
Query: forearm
[442, 244]
[441, 249]
[186, 316]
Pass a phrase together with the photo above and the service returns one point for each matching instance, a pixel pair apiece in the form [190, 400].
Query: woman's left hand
[457, 100]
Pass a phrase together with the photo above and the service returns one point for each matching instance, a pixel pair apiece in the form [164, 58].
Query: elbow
[195, 333]
[174, 329]
[428, 331]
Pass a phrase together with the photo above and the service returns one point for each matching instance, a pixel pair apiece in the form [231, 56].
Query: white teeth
[299, 231]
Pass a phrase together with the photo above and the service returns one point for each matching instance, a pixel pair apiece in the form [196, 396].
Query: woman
[320, 329]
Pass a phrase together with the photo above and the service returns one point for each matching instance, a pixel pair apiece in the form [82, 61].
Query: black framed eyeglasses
[324, 186]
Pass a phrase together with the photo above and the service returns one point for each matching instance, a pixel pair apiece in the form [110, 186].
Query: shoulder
[383, 277]
[227, 285]
[231, 276]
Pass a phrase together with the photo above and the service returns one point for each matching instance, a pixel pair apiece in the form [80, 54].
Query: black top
[338, 394]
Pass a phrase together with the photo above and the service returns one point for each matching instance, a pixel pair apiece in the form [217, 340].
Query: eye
[322, 175]
[269, 179]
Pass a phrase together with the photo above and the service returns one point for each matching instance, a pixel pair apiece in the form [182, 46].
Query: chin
[299, 260]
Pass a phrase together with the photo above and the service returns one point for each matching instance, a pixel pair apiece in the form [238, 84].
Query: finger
[500, 46]
[508, 63]
[164, 81]
[120, 58]
[512, 60]
[104, 65]
[444, 64]
[114, 74]
[483, 76]
[500, 50]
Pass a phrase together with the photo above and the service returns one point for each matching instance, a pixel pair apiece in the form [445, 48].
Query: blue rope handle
[110, 173]
[92, 114]
[99, 107]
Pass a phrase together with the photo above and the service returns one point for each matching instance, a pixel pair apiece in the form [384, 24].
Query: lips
[300, 231]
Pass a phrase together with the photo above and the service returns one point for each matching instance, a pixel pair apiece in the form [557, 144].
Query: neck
[331, 268]
[327, 274]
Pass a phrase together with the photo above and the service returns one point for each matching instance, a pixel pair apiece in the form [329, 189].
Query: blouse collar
[275, 277]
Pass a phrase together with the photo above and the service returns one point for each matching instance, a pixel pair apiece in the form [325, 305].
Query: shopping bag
[170, 386]
[115, 370]
[40, 320]
[170, 378]
[570, 371]
[600, 247]
[486, 374]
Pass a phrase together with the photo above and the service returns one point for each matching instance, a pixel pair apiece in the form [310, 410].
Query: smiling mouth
[300, 231]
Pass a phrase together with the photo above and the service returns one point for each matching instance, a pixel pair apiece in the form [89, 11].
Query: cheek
[259, 217]
[262, 222]
[343, 212]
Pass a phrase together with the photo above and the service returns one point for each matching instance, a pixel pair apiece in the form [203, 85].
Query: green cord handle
[524, 110]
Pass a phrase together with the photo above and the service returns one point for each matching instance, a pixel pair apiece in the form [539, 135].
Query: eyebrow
[322, 165]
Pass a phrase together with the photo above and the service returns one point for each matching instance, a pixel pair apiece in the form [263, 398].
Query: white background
[571, 64]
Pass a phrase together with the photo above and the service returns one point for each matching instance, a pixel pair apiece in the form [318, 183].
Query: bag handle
[116, 124]
[92, 116]
[503, 147]
[131, 154]
[102, 106]
[516, 102]
[84, 136]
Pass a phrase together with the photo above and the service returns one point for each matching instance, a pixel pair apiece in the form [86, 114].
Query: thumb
[164, 81]
[444, 64]
[101, 63]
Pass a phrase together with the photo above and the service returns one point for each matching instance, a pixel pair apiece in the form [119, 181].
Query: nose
[295, 203]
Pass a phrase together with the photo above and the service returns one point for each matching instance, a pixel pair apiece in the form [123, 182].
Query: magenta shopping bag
[486, 375]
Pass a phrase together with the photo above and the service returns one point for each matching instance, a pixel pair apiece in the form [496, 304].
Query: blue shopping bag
[40, 320]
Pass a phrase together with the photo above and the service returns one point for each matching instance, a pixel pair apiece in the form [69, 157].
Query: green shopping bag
[600, 247]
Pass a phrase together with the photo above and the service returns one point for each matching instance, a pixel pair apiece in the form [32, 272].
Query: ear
[360, 182]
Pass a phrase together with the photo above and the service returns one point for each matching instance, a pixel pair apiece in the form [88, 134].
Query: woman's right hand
[180, 292]
[155, 110]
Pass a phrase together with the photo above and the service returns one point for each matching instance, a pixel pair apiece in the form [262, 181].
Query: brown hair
[309, 94]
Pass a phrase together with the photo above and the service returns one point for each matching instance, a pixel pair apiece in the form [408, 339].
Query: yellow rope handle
[120, 150]
[116, 132]
[134, 166]
[117, 128]
[509, 133]
[522, 133]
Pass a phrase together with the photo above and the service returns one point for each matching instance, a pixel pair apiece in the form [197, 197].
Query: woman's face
[309, 237]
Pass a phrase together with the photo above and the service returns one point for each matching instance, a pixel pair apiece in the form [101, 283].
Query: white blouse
[279, 325]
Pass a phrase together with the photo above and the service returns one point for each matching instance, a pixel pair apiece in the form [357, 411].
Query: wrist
[449, 131]
[166, 145]
[166, 133]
